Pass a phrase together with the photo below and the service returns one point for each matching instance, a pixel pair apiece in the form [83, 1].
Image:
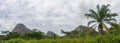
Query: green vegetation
[97, 39]
[102, 16]
[34, 35]
[105, 35]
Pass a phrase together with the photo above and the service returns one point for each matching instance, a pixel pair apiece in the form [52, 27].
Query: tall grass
[91, 39]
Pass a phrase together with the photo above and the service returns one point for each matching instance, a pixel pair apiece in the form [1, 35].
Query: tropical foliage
[115, 29]
[101, 16]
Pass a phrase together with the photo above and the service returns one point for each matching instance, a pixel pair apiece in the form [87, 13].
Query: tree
[4, 32]
[33, 35]
[70, 34]
[102, 16]
[115, 28]
[12, 35]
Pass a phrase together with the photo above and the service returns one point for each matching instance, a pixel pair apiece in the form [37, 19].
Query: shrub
[33, 35]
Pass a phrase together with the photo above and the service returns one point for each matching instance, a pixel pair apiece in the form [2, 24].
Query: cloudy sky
[49, 15]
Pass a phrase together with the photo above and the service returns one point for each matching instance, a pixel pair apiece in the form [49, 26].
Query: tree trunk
[107, 29]
[100, 28]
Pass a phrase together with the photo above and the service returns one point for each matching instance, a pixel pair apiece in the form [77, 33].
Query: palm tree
[101, 16]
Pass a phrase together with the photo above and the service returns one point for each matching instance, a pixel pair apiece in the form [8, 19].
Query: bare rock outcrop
[21, 29]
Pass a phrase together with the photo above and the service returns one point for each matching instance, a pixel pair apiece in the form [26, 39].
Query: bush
[11, 35]
[33, 35]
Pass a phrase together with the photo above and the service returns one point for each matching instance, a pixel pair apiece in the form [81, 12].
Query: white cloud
[48, 15]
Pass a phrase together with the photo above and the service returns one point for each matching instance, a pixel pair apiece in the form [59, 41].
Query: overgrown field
[91, 39]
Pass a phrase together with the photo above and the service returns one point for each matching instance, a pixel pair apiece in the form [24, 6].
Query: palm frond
[104, 11]
[110, 15]
[111, 19]
[92, 11]
[89, 16]
[98, 7]
[90, 22]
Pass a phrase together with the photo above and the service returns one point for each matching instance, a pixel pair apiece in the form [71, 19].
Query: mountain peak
[21, 29]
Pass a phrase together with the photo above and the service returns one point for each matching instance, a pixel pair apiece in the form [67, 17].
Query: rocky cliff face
[21, 29]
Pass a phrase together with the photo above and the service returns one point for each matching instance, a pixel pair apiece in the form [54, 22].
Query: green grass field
[91, 39]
